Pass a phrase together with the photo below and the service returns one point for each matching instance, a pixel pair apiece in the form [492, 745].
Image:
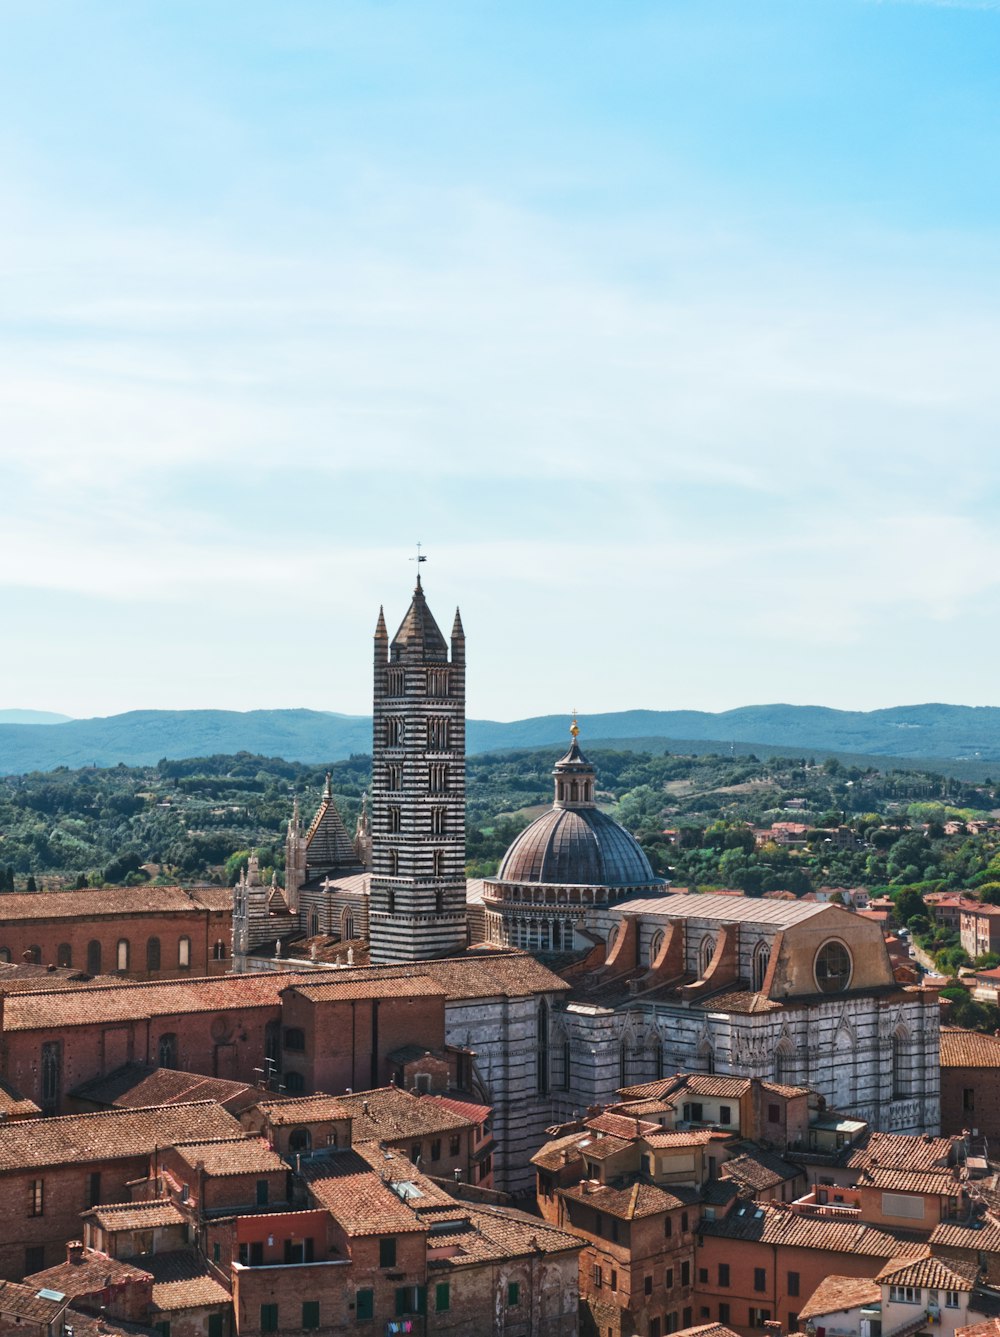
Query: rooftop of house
[389, 1114]
[981, 1234]
[900, 1151]
[731, 909]
[835, 1294]
[30, 1144]
[345, 1183]
[707, 1330]
[281, 1111]
[755, 1169]
[397, 986]
[32, 977]
[944, 1274]
[135, 1085]
[937, 1183]
[114, 903]
[127, 1000]
[183, 1280]
[15, 1106]
[968, 1049]
[240, 1156]
[121, 1216]
[24, 1304]
[772, 1223]
[491, 1234]
[88, 1271]
[631, 1201]
[469, 1110]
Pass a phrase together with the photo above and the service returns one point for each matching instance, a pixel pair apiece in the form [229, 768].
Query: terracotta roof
[834, 1294]
[402, 986]
[707, 1330]
[24, 1302]
[550, 1156]
[945, 1274]
[241, 1156]
[984, 1236]
[346, 1185]
[990, 1327]
[744, 1001]
[124, 1001]
[139, 1085]
[95, 1271]
[492, 1234]
[304, 1109]
[108, 1135]
[759, 1169]
[182, 1280]
[389, 1114]
[631, 1202]
[602, 1147]
[772, 1224]
[15, 1106]
[621, 1125]
[939, 1182]
[709, 1084]
[113, 902]
[730, 909]
[694, 1138]
[118, 1216]
[27, 977]
[472, 1112]
[968, 1049]
[900, 1151]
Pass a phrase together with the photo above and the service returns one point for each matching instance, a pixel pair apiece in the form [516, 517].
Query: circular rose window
[833, 967]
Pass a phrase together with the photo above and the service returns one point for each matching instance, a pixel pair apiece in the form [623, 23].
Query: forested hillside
[695, 816]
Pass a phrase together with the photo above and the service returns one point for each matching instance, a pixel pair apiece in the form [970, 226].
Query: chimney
[773, 1328]
[74, 1251]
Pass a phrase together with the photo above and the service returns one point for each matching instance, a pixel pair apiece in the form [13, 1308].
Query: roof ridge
[51, 1121]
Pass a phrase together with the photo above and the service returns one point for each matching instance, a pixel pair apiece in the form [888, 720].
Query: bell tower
[417, 898]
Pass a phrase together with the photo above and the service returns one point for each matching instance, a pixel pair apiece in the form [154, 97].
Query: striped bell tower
[417, 899]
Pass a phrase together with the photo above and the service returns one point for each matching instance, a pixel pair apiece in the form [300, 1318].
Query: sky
[671, 330]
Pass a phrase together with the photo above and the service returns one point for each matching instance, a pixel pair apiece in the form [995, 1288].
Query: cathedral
[641, 982]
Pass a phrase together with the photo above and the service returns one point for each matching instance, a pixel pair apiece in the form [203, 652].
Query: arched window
[122, 954]
[4, 954]
[557, 936]
[395, 819]
[93, 957]
[35, 954]
[167, 1050]
[64, 955]
[347, 925]
[843, 1069]
[784, 1063]
[761, 961]
[152, 954]
[833, 967]
[706, 1056]
[655, 945]
[51, 1076]
[439, 863]
[299, 1140]
[393, 863]
[295, 1039]
[184, 953]
[706, 951]
[898, 1060]
[219, 951]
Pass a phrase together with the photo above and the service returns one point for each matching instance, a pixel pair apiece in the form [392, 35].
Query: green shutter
[269, 1318]
[421, 1299]
[442, 1296]
[513, 1292]
[365, 1304]
[215, 1325]
[310, 1313]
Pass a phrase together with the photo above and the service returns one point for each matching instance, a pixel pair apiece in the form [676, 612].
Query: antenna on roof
[420, 557]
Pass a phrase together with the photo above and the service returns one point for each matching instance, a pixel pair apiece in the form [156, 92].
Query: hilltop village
[569, 1098]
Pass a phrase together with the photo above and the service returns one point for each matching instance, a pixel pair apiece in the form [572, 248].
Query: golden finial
[574, 728]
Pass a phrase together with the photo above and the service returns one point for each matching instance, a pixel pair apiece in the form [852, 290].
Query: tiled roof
[694, 1138]
[968, 1049]
[241, 1156]
[834, 1294]
[945, 1274]
[113, 903]
[485, 1234]
[621, 1126]
[989, 1327]
[346, 1185]
[118, 1216]
[900, 1151]
[137, 1085]
[939, 1182]
[550, 1156]
[328, 846]
[744, 1001]
[759, 1169]
[466, 1109]
[124, 1001]
[108, 1135]
[985, 1236]
[95, 1271]
[304, 1109]
[730, 909]
[24, 1302]
[401, 986]
[772, 1224]
[631, 1202]
[390, 1114]
[182, 1280]
[779, 1089]
[602, 1147]
[27, 977]
[707, 1330]
[15, 1106]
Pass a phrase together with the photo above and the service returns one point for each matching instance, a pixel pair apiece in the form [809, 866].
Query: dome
[577, 847]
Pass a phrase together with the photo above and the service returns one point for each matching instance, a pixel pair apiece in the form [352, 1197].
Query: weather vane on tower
[420, 557]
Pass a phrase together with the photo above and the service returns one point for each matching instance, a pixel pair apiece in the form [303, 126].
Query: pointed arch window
[167, 1050]
[898, 1063]
[761, 961]
[395, 820]
[347, 925]
[655, 945]
[706, 950]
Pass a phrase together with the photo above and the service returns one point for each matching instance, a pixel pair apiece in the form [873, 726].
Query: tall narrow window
[64, 955]
[219, 950]
[167, 1050]
[542, 1048]
[395, 819]
[184, 953]
[439, 863]
[152, 954]
[438, 821]
[396, 682]
[36, 1197]
[437, 735]
[121, 955]
[394, 734]
[51, 1076]
[437, 682]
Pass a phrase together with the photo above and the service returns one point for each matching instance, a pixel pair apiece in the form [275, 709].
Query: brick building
[139, 932]
[970, 1083]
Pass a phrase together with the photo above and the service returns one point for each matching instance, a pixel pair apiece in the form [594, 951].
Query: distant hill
[32, 717]
[929, 734]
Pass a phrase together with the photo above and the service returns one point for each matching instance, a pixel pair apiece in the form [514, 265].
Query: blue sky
[671, 330]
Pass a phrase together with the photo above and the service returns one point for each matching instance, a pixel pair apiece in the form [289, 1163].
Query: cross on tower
[420, 557]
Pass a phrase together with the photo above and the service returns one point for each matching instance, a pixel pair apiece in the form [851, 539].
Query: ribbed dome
[577, 847]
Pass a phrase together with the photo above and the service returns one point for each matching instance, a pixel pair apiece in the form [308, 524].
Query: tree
[909, 904]
[31, 884]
